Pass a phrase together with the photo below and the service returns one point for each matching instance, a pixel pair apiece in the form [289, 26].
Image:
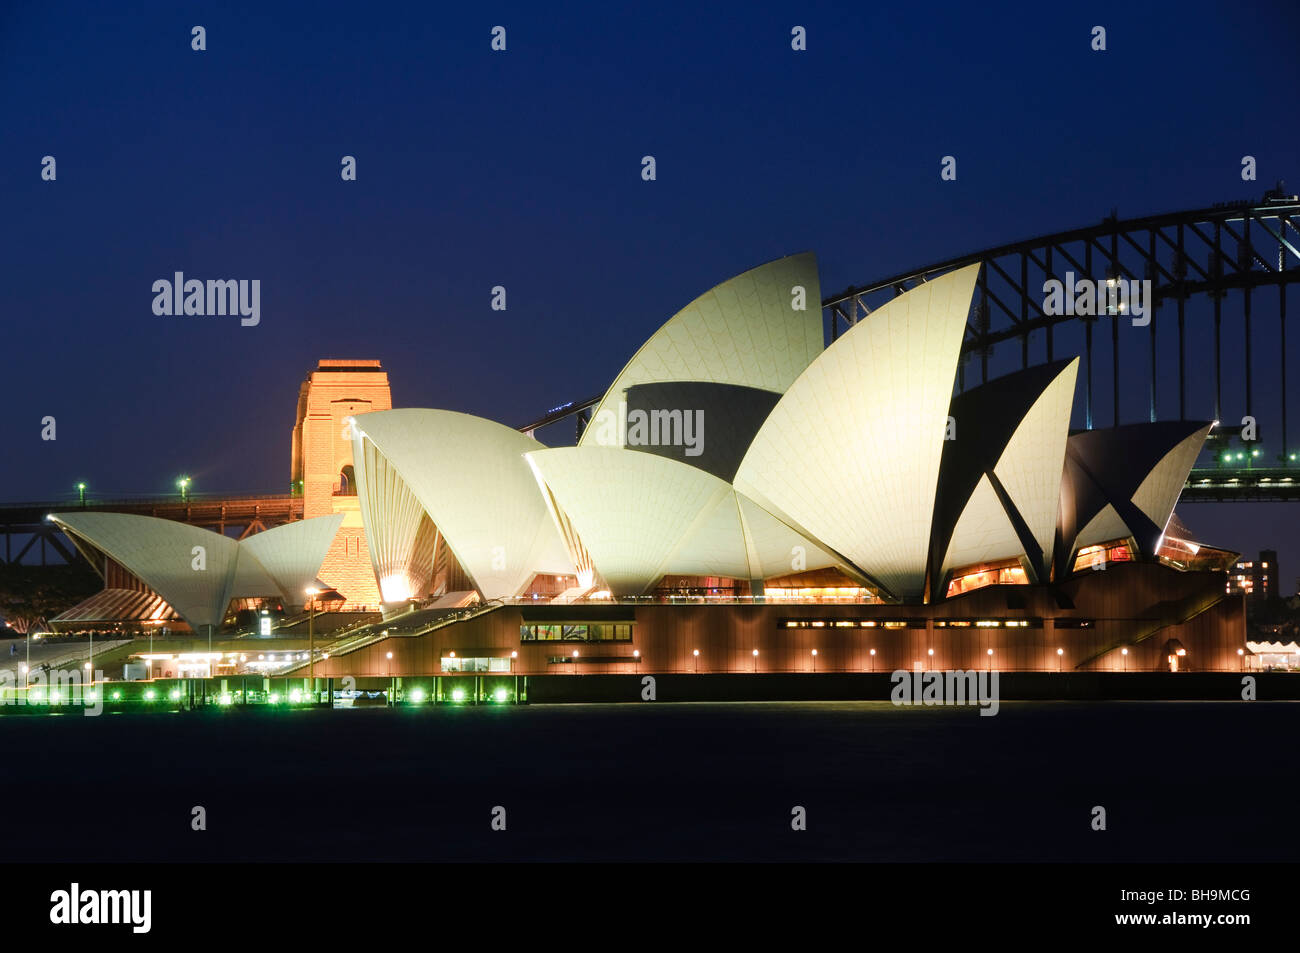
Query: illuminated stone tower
[322, 466]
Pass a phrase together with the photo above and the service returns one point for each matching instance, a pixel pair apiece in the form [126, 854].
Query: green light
[500, 695]
[226, 698]
[149, 695]
[417, 695]
[1254, 453]
[1241, 456]
[295, 696]
[117, 696]
[275, 698]
[54, 696]
[1293, 456]
[458, 695]
[175, 694]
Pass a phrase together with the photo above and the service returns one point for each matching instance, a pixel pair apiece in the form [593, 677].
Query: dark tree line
[32, 595]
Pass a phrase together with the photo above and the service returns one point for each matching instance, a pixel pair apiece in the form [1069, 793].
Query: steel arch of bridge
[1242, 246]
[1246, 248]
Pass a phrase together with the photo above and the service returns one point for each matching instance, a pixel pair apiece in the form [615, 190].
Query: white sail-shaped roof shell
[745, 331]
[984, 533]
[291, 554]
[161, 553]
[1155, 496]
[1029, 470]
[1102, 528]
[470, 477]
[642, 516]
[1158, 493]
[850, 455]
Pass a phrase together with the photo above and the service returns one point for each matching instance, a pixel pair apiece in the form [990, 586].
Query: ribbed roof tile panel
[850, 454]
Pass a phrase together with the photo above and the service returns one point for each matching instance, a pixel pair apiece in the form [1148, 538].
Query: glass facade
[583, 632]
[475, 664]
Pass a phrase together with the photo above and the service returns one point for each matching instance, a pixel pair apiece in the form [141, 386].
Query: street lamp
[756, 661]
[814, 660]
[575, 661]
[873, 660]
[312, 593]
[697, 661]
[81, 492]
[1060, 660]
[184, 484]
[990, 660]
[1124, 652]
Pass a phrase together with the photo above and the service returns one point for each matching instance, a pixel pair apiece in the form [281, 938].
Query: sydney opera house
[746, 499]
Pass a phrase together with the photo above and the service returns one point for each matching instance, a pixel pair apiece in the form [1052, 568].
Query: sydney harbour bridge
[1214, 349]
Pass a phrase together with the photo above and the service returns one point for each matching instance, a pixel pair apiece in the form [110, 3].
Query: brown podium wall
[1124, 603]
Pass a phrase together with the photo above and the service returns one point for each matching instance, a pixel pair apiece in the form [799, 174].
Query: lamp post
[81, 492]
[697, 661]
[814, 661]
[1060, 659]
[1124, 653]
[184, 484]
[755, 661]
[873, 660]
[312, 592]
[990, 660]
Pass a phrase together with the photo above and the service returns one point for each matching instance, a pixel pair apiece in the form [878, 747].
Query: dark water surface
[1179, 781]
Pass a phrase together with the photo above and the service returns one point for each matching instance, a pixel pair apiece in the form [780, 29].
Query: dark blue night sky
[522, 169]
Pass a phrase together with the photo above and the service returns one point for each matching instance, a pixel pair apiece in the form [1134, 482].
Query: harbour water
[1179, 782]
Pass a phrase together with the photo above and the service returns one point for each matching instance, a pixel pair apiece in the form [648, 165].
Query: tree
[31, 595]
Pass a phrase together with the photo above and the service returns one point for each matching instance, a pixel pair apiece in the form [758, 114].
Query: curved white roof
[292, 554]
[470, 476]
[161, 553]
[400, 535]
[642, 516]
[983, 533]
[1155, 496]
[1029, 470]
[850, 455]
[1102, 528]
[744, 331]
[1158, 493]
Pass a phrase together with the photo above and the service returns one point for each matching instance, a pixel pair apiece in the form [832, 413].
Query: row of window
[853, 624]
[938, 623]
[475, 664]
[589, 632]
